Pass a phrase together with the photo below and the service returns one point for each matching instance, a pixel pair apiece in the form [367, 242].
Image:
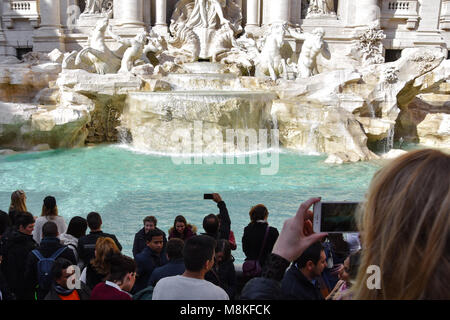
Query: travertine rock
[434, 131]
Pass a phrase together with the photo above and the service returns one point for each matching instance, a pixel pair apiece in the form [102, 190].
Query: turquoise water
[125, 186]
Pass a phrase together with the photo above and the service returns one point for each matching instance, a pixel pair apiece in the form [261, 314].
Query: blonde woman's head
[405, 229]
[18, 201]
[104, 247]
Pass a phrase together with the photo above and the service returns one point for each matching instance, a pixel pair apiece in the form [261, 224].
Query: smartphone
[207, 196]
[335, 217]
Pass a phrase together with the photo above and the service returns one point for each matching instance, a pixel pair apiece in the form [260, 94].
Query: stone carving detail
[313, 45]
[205, 18]
[319, 8]
[98, 6]
[369, 46]
[390, 75]
[270, 62]
[96, 57]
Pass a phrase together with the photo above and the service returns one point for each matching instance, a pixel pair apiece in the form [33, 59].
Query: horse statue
[270, 62]
[97, 54]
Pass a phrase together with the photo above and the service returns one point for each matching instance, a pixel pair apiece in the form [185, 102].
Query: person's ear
[309, 265]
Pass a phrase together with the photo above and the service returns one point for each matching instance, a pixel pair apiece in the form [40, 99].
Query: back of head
[120, 266]
[312, 253]
[49, 229]
[258, 212]
[49, 207]
[197, 251]
[153, 233]
[174, 248]
[104, 247]
[24, 219]
[77, 227]
[94, 220]
[59, 265]
[211, 224]
[18, 201]
[405, 229]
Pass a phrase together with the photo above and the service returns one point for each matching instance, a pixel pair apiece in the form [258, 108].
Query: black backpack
[44, 268]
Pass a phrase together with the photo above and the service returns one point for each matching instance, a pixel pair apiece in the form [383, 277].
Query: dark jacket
[261, 289]
[146, 262]
[253, 238]
[84, 293]
[140, 243]
[224, 276]
[15, 252]
[188, 233]
[4, 290]
[172, 268]
[225, 223]
[295, 286]
[86, 245]
[93, 277]
[47, 247]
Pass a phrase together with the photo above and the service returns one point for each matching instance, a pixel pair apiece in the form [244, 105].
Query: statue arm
[297, 35]
[118, 38]
[326, 51]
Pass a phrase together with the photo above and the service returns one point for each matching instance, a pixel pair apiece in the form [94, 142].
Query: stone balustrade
[406, 9]
[14, 10]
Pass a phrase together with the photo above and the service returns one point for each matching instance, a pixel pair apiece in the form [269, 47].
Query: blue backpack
[44, 268]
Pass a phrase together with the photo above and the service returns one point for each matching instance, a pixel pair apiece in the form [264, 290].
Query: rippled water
[124, 186]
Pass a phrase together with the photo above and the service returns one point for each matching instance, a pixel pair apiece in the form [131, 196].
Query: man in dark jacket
[174, 267]
[211, 223]
[17, 246]
[299, 282]
[60, 289]
[140, 243]
[86, 244]
[151, 257]
[48, 246]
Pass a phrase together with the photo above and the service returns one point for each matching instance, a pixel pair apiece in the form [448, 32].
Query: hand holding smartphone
[335, 217]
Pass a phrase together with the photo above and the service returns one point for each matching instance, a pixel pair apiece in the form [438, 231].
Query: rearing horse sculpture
[270, 62]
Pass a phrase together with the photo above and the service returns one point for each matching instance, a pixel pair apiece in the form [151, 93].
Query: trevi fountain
[98, 99]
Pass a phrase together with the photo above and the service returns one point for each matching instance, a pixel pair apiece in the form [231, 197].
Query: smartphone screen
[338, 217]
[208, 196]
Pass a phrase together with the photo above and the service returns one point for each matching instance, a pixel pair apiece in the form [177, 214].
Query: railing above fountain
[405, 9]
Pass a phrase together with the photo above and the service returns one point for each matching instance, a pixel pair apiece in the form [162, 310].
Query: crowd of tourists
[404, 231]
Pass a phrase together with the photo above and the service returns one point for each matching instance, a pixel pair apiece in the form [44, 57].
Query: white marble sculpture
[97, 6]
[270, 62]
[134, 51]
[96, 56]
[368, 49]
[313, 45]
[320, 8]
[205, 18]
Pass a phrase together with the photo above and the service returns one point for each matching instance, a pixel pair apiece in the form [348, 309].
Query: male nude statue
[313, 45]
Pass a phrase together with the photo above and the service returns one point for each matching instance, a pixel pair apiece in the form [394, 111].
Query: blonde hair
[405, 229]
[104, 247]
[18, 201]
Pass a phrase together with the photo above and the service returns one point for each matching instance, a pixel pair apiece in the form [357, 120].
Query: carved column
[160, 17]
[129, 13]
[2, 36]
[252, 16]
[280, 11]
[49, 35]
[367, 12]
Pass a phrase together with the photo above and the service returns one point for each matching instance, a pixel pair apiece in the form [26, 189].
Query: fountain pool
[124, 186]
